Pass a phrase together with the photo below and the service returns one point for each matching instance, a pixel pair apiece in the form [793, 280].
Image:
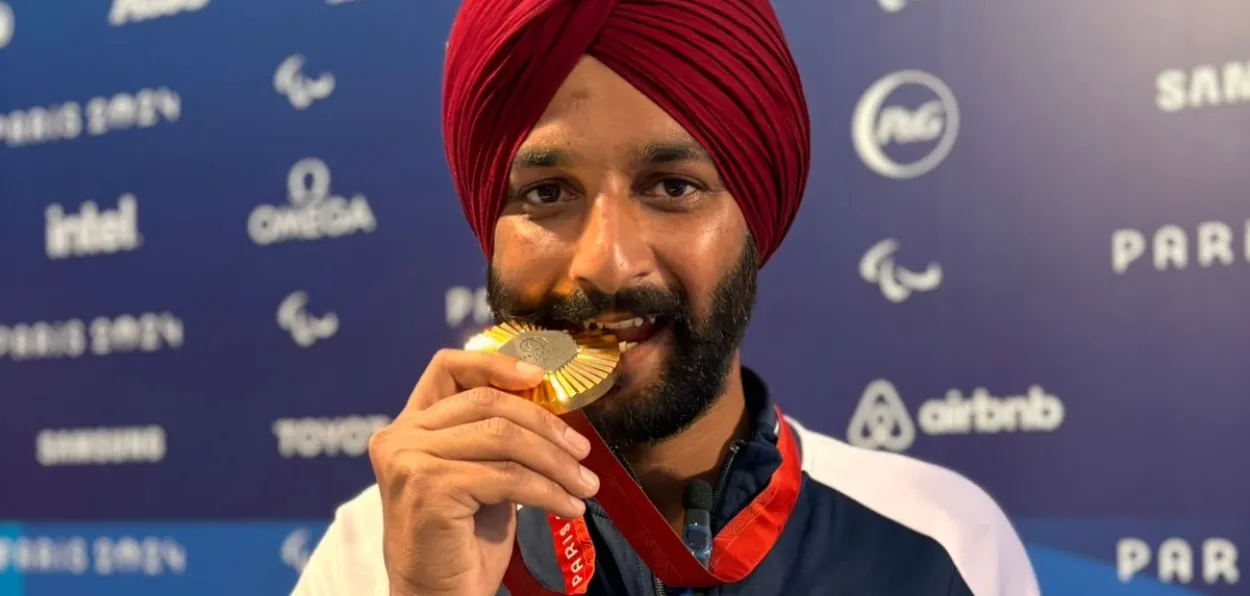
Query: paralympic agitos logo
[897, 283]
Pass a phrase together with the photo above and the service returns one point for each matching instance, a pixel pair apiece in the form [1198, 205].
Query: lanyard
[737, 549]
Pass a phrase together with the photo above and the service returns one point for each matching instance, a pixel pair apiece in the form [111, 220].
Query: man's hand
[455, 464]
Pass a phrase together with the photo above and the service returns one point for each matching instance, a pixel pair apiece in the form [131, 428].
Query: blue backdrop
[229, 245]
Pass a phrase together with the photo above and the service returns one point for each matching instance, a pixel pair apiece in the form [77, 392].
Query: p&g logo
[876, 126]
[7, 24]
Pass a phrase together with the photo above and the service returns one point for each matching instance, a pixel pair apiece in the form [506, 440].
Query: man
[631, 164]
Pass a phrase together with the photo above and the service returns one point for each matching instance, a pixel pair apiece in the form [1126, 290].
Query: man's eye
[543, 194]
[673, 188]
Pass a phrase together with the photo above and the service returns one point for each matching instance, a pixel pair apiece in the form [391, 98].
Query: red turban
[720, 68]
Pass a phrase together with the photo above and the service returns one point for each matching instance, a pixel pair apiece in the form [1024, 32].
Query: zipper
[723, 479]
[625, 464]
[717, 492]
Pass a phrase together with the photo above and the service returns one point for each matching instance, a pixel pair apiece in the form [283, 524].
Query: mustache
[574, 308]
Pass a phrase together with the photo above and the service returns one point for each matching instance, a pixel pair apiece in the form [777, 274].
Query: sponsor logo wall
[225, 265]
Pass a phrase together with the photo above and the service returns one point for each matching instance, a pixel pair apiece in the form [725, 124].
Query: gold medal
[580, 367]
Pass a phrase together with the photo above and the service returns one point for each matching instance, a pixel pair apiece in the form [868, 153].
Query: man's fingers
[491, 483]
[500, 439]
[484, 403]
[482, 369]
[453, 371]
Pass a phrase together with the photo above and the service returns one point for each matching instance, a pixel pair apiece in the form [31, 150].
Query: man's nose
[613, 251]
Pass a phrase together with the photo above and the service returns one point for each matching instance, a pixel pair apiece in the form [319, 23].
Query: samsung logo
[1203, 86]
[100, 446]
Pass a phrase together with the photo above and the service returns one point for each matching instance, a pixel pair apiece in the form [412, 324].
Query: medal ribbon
[575, 551]
[737, 549]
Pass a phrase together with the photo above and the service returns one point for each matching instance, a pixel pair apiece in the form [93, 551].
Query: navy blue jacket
[866, 523]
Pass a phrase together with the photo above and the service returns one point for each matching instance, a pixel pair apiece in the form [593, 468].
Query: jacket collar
[751, 462]
[748, 468]
[744, 474]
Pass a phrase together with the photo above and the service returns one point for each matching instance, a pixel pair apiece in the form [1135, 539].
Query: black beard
[692, 379]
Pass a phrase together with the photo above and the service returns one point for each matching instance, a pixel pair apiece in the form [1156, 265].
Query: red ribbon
[575, 551]
[737, 549]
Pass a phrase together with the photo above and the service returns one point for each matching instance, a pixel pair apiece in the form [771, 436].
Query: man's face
[617, 217]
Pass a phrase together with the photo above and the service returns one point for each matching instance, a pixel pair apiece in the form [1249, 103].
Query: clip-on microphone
[697, 533]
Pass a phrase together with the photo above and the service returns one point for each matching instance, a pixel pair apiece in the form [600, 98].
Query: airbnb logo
[881, 420]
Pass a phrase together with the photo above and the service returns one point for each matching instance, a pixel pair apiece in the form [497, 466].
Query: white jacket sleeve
[348, 559]
[932, 500]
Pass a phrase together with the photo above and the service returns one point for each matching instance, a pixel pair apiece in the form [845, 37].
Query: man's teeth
[626, 324]
[618, 325]
[626, 345]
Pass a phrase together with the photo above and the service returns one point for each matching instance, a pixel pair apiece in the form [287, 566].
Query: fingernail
[576, 440]
[589, 477]
[577, 505]
[527, 369]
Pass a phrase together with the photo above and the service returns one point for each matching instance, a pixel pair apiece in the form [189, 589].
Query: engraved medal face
[548, 350]
[580, 367]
